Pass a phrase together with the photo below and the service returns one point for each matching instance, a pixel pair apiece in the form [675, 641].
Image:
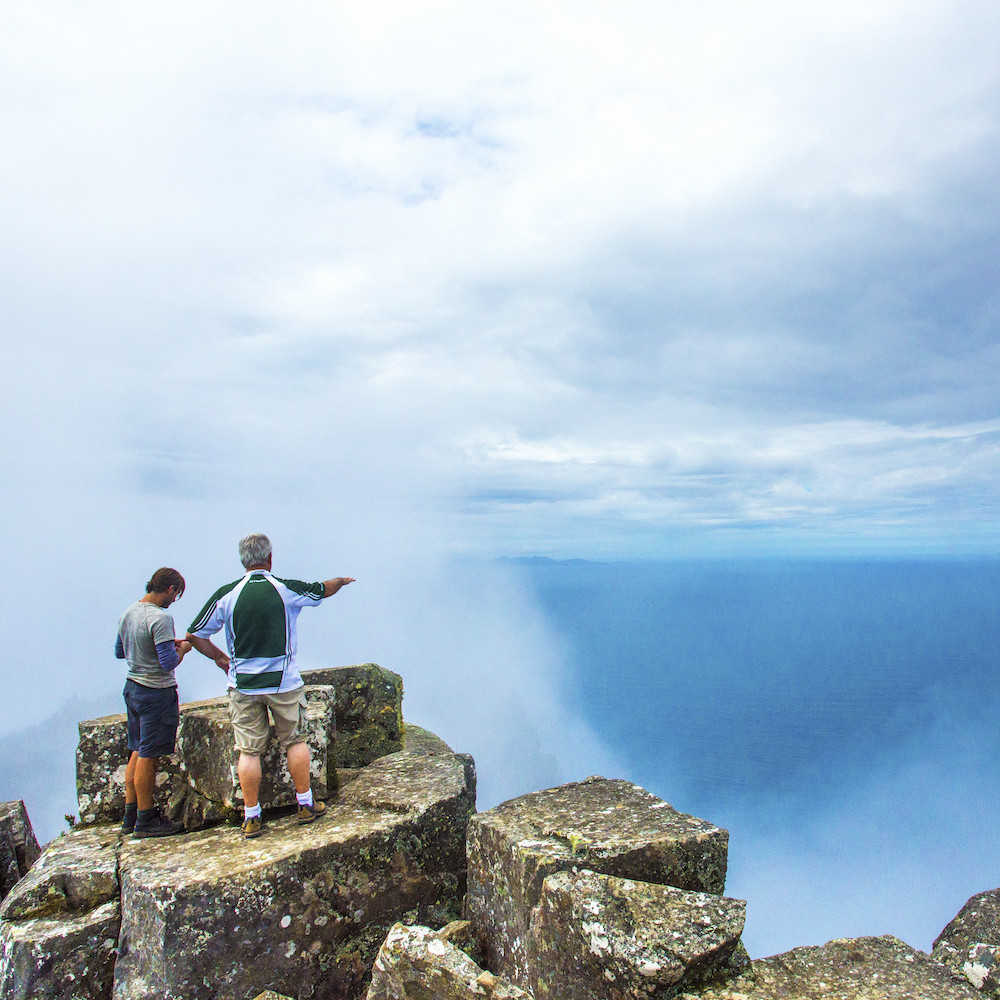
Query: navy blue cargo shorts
[153, 715]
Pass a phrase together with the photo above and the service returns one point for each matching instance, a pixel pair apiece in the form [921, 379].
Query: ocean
[840, 718]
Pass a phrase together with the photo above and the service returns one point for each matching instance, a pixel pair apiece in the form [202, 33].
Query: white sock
[305, 798]
[251, 812]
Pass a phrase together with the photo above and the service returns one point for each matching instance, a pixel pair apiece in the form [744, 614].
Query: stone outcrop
[59, 925]
[18, 847]
[78, 871]
[869, 968]
[198, 781]
[417, 963]
[970, 944]
[599, 937]
[354, 717]
[606, 826]
[369, 712]
[69, 957]
[300, 911]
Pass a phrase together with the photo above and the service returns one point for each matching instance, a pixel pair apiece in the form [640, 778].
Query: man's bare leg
[298, 766]
[248, 771]
[130, 796]
[143, 780]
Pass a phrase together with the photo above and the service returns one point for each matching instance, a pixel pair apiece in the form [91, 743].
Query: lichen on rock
[68, 956]
[599, 937]
[608, 826]
[418, 963]
[18, 847]
[970, 944]
[867, 968]
[303, 909]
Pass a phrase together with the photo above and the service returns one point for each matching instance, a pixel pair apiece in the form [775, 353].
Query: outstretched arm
[330, 587]
[208, 648]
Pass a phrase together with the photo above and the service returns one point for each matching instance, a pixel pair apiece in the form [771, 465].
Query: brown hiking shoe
[308, 813]
[252, 827]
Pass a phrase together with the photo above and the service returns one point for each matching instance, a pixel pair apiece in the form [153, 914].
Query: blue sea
[840, 718]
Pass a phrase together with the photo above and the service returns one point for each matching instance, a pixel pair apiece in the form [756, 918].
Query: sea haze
[840, 718]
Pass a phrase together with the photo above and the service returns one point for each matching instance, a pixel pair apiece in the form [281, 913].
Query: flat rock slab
[608, 826]
[76, 872]
[302, 909]
[869, 968]
[66, 957]
[18, 846]
[599, 937]
[417, 963]
[970, 944]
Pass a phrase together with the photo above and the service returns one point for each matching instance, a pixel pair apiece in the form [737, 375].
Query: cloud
[561, 280]
[856, 862]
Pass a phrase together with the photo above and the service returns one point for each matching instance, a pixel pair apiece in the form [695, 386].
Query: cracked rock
[598, 937]
[608, 826]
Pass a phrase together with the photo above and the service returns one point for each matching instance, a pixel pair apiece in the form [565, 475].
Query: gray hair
[254, 549]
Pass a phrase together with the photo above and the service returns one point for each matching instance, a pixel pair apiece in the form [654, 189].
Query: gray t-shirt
[140, 629]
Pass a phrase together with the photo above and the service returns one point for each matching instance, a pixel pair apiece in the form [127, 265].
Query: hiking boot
[155, 825]
[308, 813]
[252, 827]
[128, 823]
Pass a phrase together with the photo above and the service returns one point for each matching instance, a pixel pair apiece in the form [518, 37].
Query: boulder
[422, 740]
[599, 937]
[970, 944]
[59, 925]
[357, 709]
[207, 759]
[76, 873]
[369, 711]
[18, 847]
[869, 968]
[10, 871]
[417, 963]
[198, 782]
[301, 910]
[69, 956]
[607, 826]
[101, 757]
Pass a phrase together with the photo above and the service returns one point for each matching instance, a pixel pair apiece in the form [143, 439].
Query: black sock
[131, 808]
[145, 815]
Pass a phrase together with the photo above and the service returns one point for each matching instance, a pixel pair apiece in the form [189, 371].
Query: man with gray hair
[259, 614]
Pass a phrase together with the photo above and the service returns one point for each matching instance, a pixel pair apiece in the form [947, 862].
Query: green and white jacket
[259, 613]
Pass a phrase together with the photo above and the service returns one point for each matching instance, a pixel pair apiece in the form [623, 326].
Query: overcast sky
[397, 281]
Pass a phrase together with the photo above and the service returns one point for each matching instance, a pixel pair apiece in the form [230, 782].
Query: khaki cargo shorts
[248, 714]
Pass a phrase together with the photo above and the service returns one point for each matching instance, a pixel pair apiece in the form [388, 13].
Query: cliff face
[590, 891]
